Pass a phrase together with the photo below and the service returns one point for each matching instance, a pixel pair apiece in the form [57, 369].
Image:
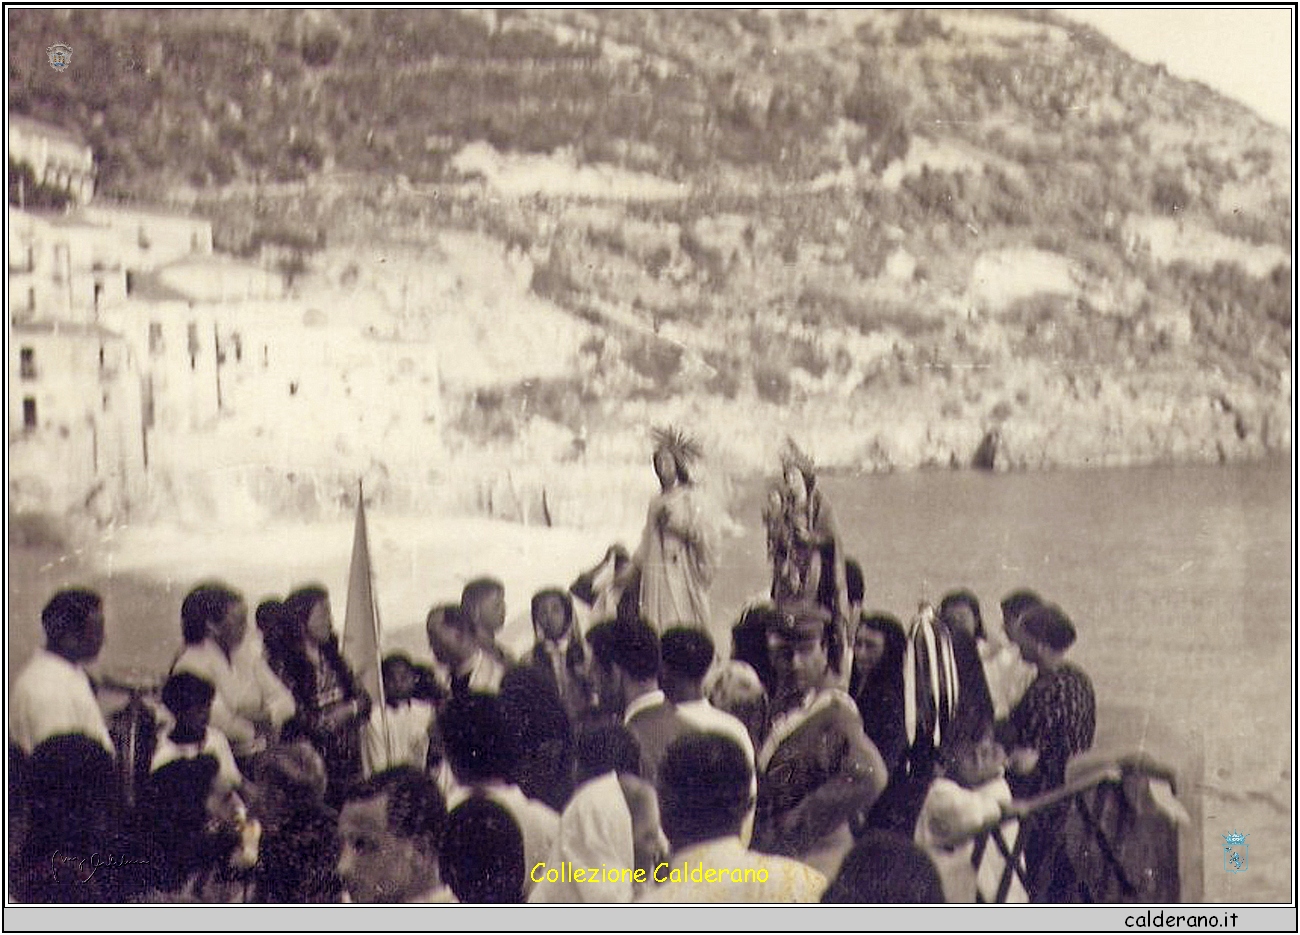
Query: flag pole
[378, 652]
[379, 655]
[361, 628]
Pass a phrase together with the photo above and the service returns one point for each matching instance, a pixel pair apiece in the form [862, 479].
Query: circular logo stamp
[60, 56]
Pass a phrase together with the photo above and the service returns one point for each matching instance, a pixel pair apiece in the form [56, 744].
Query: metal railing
[1114, 830]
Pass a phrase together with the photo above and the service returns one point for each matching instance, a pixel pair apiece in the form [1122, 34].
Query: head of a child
[973, 759]
[189, 699]
[399, 677]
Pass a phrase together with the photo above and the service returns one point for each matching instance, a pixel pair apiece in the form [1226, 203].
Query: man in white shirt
[625, 655]
[480, 751]
[251, 704]
[687, 654]
[704, 794]
[52, 696]
[469, 667]
[483, 606]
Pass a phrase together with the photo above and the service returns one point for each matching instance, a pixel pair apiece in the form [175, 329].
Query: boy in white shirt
[969, 793]
[398, 733]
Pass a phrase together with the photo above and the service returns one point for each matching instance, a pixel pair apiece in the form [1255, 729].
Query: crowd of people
[828, 753]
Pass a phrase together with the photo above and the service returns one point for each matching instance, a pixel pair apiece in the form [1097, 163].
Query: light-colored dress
[676, 559]
[397, 735]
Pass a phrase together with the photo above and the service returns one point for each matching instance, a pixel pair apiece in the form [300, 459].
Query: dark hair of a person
[1017, 602]
[298, 672]
[185, 691]
[885, 867]
[449, 616]
[879, 695]
[1048, 624]
[603, 748]
[416, 809]
[478, 590]
[268, 615]
[853, 581]
[704, 788]
[204, 605]
[297, 609]
[749, 642]
[963, 596]
[74, 793]
[392, 661]
[891, 660]
[66, 613]
[632, 645]
[477, 738]
[565, 599]
[531, 706]
[687, 651]
[483, 857]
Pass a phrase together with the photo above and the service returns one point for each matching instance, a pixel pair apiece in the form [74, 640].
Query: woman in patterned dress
[332, 705]
[1055, 719]
[1057, 716]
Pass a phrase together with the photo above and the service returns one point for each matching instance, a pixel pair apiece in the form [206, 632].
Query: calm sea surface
[1179, 581]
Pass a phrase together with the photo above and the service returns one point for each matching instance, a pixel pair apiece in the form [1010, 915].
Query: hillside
[908, 237]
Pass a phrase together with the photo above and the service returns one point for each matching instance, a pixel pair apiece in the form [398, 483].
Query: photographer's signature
[84, 867]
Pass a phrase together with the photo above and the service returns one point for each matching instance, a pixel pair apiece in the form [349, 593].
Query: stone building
[58, 158]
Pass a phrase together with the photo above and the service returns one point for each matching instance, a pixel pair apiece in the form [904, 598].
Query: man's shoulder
[663, 712]
[706, 718]
[799, 876]
[32, 674]
[198, 658]
[44, 675]
[515, 800]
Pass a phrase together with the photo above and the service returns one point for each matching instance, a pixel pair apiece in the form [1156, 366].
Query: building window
[27, 367]
[192, 334]
[155, 338]
[130, 282]
[29, 413]
[31, 298]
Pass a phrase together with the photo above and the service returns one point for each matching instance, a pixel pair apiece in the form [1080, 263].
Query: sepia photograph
[652, 455]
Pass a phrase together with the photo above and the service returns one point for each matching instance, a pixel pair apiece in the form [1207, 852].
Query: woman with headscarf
[676, 557]
[802, 540]
[332, 705]
[876, 685]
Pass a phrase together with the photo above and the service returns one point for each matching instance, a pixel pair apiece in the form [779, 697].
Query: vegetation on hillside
[866, 193]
